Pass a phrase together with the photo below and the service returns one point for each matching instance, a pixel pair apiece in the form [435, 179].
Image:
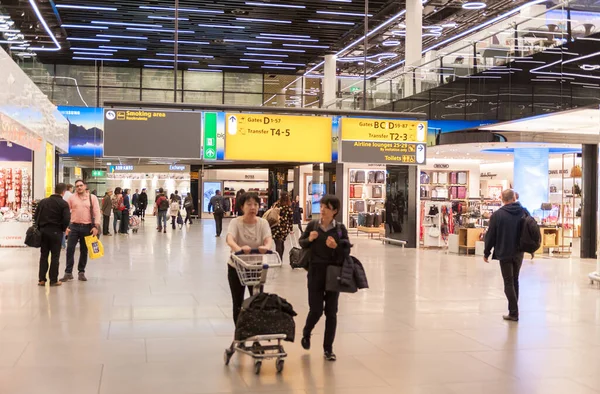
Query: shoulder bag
[33, 236]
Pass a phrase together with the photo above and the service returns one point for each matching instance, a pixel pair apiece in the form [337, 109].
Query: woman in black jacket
[143, 204]
[329, 245]
[238, 206]
[298, 211]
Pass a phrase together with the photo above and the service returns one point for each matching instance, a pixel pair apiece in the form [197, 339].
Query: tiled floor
[155, 318]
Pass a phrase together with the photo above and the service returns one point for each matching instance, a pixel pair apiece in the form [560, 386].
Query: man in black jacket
[53, 216]
[503, 236]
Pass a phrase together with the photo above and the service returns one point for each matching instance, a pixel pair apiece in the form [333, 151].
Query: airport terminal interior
[445, 138]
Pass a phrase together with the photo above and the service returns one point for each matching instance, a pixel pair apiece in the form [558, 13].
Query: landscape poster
[86, 130]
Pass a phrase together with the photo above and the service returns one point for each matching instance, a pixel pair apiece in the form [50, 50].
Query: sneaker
[510, 318]
[330, 356]
[82, 277]
[67, 278]
[55, 284]
[305, 343]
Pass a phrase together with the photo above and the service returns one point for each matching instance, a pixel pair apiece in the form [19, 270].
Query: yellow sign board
[257, 137]
[357, 129]
[49, 181]
[78, 172]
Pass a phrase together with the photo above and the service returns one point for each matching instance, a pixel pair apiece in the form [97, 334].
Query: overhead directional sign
[383, 141]
[258, 137]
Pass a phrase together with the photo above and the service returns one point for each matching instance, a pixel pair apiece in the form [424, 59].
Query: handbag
[576, 171]
[332, 282]
[95, 247]
[33, 236]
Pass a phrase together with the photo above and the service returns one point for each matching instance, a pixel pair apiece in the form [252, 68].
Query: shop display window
[366, 197]
[15, 193]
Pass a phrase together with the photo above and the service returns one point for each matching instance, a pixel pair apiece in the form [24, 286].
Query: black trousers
[237, 291]
[105, 224]
[51, 245]
[510, 273]
[219, 222]
[77, 235]
[320, 301]
[188, 215]
[280, 247]
[142, 210]
[124, 222]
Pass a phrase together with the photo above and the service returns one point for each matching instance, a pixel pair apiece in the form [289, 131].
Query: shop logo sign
[174, 167]
[111, 115]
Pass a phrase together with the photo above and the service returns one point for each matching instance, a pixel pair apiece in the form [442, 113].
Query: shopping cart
[254, 270]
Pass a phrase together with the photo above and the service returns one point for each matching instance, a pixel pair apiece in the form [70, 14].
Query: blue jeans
[77, 235]
[161, 217]
[117, 217]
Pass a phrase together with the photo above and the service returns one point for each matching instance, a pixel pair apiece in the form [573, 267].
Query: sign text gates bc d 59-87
[259, 137]
[383, 141]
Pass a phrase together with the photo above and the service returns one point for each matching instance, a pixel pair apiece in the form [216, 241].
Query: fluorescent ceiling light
[168, 18]
[186, 42]
[224, 66]
[343, 13]
[98, 59]
[92, 49]
[125, 24]
[200, 11]
[85, 7]
[160, 30]
[264, 54]
[306, 46]
[323, 21]
[279, 68]
[46, 28]
[11, 42]
[263, 20]
[167, 60]
[289, 39]
[282, 35]
[221, 26]
[273, 5]
[9, 31]
[261, 60]
[125, 37]
[182, 55]
[88, 39]
[204, 70]
[93, 53]
[474, 5]
[276, 50]
[248, 41]
[156, 66]
[124, 48]
[391, 43]
[285, 64]
[84, 27]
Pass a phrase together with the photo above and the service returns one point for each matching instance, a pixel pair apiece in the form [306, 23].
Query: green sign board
[97, 173]
[354, 89]
[210, 136]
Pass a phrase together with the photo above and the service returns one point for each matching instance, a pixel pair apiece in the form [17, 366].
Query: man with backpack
[216, 204]
[162, 209]
[512, 231]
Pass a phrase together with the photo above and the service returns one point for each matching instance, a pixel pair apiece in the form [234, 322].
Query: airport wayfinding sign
[383, 141]
[278, 138]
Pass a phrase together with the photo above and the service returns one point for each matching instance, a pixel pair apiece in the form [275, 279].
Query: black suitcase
[370, 220]
[295, 257]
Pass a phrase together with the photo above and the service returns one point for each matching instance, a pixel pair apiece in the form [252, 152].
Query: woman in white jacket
[174, 210]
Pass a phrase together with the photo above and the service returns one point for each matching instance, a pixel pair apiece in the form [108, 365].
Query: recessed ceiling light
[474, 5]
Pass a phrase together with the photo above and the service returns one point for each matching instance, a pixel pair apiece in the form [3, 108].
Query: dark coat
[504, 232]
[354, 272]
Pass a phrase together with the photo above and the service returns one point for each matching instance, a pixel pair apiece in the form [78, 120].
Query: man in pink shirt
[85, 220]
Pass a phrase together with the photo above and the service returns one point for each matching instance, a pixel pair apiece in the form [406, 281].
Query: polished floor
[155, 318]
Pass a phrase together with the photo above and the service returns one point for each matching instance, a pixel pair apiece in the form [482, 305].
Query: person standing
[503, 236]
[161, 208]
[188, 204]
[85, 220]
[66, 196]
[143, 204]
[106, 211]
[238, 207]
[329, 245]
[298, 211]
[216, 204]
[53, 216]
[117, 203]
[286, 225]
[125, 213]
[177, 197]
[135, 201]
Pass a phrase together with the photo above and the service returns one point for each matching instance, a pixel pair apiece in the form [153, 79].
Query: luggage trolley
[254, 270]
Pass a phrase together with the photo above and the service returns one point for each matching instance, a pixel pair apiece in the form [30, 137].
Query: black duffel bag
[266, 314]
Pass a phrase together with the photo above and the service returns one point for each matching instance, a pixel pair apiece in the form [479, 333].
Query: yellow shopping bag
[95, 248]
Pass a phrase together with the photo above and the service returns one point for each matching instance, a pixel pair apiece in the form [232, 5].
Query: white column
[281, 98]
[413, 43]
[39, 172]
[299, 86]
[330, 80]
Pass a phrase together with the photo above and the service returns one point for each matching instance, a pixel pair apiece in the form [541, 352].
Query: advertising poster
[86, 130]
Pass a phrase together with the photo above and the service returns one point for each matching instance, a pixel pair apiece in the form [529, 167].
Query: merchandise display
[15, 194]
[366, 196]
[447, 185]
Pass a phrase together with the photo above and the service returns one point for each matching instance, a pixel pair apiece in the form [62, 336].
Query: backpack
[115, 202]
[163, 203]
[217, 208]
[531, 239]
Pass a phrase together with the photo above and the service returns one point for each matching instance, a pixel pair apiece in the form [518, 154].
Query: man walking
[106, 212]
[143, 204]
[85, 220]
[216, 204]
[503, 236]
[53, 216]
[135, 201]
[162, 209]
